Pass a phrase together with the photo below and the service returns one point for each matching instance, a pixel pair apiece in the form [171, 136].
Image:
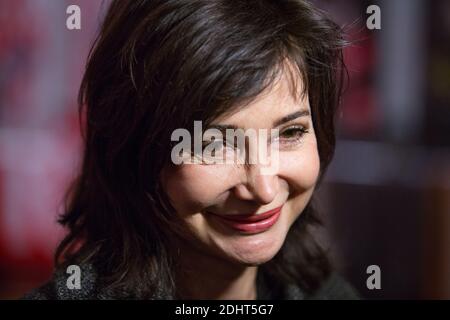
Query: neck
[201, 276]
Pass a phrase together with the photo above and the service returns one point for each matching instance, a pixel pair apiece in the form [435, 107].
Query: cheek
[301, 167]
[194, 187]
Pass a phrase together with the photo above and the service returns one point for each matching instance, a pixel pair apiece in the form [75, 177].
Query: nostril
[243, 192]
[262, 189]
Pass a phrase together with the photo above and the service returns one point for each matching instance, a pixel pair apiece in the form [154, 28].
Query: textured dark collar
[334, 288]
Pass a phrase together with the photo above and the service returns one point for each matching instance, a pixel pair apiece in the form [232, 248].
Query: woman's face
[221, 203]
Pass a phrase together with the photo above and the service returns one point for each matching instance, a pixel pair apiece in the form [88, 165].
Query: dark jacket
[56, 289]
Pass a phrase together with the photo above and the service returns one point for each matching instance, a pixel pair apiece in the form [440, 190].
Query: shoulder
[91, 287]
[58, 288]
[335, 287]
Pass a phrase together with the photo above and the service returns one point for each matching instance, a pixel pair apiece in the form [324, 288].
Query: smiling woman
[141, 226]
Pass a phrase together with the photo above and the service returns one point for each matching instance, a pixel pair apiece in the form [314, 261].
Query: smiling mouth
[250, 223]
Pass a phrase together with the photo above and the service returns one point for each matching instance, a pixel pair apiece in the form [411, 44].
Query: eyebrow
[291, 116]
[276, 123]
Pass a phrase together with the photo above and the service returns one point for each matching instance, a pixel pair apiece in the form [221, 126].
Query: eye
[216, 150]
[216, 143]
[292, 134]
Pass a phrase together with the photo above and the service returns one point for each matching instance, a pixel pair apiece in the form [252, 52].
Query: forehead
[284, 96]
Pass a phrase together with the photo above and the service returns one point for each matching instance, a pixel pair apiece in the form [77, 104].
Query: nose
[261, 188]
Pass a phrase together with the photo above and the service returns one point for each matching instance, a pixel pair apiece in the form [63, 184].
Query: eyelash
[207, 143]
[299, 132]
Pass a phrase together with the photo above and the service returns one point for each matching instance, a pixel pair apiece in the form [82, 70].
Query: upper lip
[252, 217]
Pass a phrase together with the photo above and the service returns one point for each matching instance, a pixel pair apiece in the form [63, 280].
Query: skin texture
[216, 254]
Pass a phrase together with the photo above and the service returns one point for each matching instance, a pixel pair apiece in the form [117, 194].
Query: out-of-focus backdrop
[386, 199]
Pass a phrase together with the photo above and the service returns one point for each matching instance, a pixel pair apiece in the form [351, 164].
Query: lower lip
[251, 227]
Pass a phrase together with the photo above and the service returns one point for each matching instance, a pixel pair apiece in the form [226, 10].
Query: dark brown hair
[158, 65]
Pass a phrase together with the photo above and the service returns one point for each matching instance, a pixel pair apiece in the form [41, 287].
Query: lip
[251, 223]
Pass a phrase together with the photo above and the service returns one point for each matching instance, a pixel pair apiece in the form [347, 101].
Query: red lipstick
[251, 223]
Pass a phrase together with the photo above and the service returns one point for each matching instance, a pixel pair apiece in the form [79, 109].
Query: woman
[144, 226]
